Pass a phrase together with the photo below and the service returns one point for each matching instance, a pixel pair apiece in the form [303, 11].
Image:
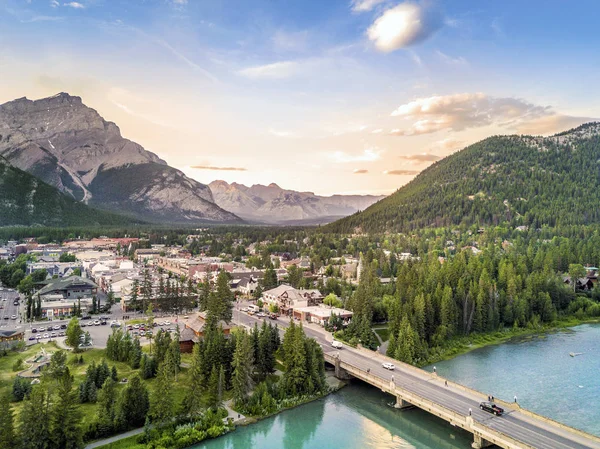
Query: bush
[18, 365]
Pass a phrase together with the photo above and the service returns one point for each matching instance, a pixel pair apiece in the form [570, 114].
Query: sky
[327, 96]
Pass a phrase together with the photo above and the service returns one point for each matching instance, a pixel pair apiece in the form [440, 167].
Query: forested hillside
[517, 180]
[28, 201]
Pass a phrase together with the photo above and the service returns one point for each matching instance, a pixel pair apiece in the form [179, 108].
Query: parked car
[53, 334]
[46, 335]
[63, 326]
[96, 323]
[31, 338]
[491, 408]
[389, 366]
[273, 316]
[56, 328]
[34, 331]
[13, 317]
[337, 344]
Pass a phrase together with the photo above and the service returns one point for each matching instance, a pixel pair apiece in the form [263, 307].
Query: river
[537, 369]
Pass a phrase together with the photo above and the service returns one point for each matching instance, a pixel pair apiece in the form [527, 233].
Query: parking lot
[7, 308]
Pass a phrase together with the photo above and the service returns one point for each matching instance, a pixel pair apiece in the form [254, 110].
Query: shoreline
[244, 422]
[470, 343]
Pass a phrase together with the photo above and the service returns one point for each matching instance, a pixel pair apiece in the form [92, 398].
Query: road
[8, 309]
[514, 423]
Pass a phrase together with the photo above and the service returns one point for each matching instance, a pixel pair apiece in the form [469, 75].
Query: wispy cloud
[401, 172]
[54, 3]
[360, 171]
[364, 5]
[368, 155]
[212, 167]
[422, 157]
[404, 25]
[276, 70]
[290, 40]
[451, 60]
[75, 5]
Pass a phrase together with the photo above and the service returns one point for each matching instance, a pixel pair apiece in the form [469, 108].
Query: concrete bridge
[412, 387]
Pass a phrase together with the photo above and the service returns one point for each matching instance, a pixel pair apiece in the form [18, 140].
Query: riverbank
[129, 440]
[463, 345]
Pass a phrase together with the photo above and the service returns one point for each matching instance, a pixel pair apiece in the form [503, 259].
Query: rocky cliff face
[272, 204]
[70, 146]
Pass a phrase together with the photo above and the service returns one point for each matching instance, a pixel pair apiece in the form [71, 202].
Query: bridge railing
[455, 418]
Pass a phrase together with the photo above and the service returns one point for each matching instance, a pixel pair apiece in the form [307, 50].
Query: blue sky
[333, 96]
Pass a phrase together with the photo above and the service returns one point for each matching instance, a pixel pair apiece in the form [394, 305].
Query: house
[287, 298]
[73, 287]
[247, 285]
[187, 340]
[197, 324]
[581, 283]
[321, 314]
[9, 338]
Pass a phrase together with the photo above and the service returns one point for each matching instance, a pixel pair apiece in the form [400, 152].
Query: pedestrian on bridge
[392, 378]
[515, 398]
[470, 412]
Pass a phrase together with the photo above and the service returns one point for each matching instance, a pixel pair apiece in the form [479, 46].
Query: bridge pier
[402, 404]
[479, 443]
[340, 372]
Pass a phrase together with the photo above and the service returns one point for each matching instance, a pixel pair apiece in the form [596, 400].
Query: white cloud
[401, 172]
[404, 25]
[447, 145]
[368, 155]
[365, 5]
[276, 70]
[377, 131]
[180, 2]
[54, 3]
[468, 110]
[75, 5]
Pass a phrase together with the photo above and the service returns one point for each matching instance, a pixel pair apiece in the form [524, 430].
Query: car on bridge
[389, 366]
[337, 344]
[491, 408]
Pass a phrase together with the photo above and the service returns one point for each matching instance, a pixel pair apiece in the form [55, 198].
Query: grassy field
[7, 375]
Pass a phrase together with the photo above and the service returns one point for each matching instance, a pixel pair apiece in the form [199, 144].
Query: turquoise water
[356, 417]
[538, 370]
[541, 373]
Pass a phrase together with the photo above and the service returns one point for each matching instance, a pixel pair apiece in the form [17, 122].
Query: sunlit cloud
[462, 111]
[447, 145]
[360, 171]
[368, 155]
[551, 124]
[422, 157]
[401, 172]
[212, 167]
[404, 25]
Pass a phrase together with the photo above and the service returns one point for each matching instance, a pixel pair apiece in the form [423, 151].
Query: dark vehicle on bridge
[491, 408]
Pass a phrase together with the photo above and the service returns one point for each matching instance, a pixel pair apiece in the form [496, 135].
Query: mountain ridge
[70, 146]
[518, 180]
[273, 204]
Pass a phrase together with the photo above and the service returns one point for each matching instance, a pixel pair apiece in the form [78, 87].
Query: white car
[388, 365]
[337, 344]
[167, 323]
[46, 335]
[14, 317]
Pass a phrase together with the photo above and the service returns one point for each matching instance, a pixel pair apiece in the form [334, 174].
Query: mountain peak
[274, 185]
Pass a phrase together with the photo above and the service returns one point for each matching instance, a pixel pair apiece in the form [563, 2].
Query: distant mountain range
[71, 147]
[274, 205]
[503, 180]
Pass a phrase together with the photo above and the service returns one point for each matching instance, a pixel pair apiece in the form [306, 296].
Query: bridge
[518, 428]
[412, 387]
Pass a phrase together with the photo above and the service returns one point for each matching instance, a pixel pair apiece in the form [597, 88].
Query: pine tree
[197, 383]
[162, 406]
[34, 420]
[106, 412]
[134, 299]
[133, 404]
[65, 415]
[8, 438]
[242, 368]
[213, 399]
[294, 360]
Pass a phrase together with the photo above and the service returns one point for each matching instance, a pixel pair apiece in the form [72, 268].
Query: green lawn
[382, 331]
[93, 355]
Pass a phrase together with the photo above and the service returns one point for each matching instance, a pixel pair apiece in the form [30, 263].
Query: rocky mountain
[272, 204]
[503, 180]
[70, 146]
[28, 201]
